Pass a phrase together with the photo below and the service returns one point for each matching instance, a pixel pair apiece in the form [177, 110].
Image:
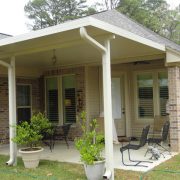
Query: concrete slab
[62, 154]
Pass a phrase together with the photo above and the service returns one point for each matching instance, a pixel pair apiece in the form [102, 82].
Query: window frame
[158, 89]
[156, 95]
[60, 97]
[21, 107]
[63, 98]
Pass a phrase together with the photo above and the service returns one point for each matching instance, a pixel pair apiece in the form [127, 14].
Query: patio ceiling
[70, 49]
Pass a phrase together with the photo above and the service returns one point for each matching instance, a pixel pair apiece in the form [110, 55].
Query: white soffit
[126, 34]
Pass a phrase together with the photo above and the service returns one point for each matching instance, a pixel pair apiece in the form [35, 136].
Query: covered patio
[62, 154]
[92, 51]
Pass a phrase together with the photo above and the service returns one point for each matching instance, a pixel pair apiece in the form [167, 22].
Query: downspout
[105, 52]
[12, 108]
[12, 112]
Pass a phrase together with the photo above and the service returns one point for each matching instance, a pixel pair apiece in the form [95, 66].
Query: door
[118, 110]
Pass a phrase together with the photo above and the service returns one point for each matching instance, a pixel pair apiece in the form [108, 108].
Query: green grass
[51, 170]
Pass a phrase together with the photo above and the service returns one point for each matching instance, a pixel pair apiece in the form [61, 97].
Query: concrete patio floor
[63, 154]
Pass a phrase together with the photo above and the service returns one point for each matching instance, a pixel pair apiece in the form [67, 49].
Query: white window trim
[19, 107]
[60, 97]
[156, 98]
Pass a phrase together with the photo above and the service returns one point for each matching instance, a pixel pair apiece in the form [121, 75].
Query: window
[152, 94]
[23, 103]
[69, 98]
[52, 99]
[61, 99]
[163, 92]
[145, 95]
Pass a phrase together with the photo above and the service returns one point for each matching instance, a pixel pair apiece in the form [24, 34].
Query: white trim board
[75, 24]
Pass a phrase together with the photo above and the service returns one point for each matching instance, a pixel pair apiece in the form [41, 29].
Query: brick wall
[4, 112]
[79, 72]
[38, 100]
[174, 107]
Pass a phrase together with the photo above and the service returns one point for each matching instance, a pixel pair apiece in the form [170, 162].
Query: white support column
[12, 111]
[108, 108]
[106, 59]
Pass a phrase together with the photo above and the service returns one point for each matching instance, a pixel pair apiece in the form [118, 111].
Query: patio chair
[157, 126]
[61, 132]
[142, 142]
[48, 138]
[164, 137]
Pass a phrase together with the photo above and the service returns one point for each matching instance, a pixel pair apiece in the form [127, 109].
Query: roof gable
[118, 19]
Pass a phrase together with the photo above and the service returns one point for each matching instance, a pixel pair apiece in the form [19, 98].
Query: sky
[14, 22]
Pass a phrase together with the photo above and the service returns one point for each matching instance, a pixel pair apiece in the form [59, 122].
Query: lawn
[51, 170]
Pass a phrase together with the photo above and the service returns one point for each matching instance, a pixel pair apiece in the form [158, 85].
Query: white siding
[92, 92]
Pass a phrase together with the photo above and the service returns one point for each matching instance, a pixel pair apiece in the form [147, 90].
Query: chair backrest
[66, 128]
[144, 134]
[157, 126]
[165, 130]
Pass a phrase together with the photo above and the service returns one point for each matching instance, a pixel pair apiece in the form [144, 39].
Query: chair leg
[164, 148]
[146, 153]
[137, 162]
[51, 144]
[65, 138]
[123, 159]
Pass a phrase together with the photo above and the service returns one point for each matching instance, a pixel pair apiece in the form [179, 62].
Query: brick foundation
[174, 107]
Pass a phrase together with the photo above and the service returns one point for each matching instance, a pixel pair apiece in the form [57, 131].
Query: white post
[12, 111]
[105, 50]
[108, 108]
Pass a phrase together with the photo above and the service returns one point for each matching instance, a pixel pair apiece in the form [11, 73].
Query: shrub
[91, 143]
[30, 134]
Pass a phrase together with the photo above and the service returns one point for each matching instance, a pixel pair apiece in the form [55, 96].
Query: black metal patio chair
[164, 137]
[142, 142]
[47, 138]
[61, 133]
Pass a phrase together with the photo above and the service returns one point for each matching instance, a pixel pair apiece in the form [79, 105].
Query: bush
[91, 144]
[30, 134]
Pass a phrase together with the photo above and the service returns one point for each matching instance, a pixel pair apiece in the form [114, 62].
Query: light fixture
[54, 58]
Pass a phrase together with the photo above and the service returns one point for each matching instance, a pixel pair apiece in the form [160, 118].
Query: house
[59, 70]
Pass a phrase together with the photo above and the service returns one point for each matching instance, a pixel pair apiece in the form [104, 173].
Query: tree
[172, 27]
[45, 13]
[111, 4]
[153, 14]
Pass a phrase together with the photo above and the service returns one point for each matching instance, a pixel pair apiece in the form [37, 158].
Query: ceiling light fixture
[54, 58]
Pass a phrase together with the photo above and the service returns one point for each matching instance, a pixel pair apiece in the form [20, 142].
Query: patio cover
[34, 49]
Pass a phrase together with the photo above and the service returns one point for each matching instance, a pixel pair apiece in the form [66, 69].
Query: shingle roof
[2, 36]
[117, 19]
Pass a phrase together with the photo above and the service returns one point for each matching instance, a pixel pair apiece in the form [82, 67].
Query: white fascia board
[74, 24]
[172, 56]
[126, 34]
[172, 50]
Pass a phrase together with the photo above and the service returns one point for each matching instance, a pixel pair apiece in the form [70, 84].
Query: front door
[118, 105]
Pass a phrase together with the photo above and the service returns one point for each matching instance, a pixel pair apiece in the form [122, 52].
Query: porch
[62, 50]
[62, 154]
